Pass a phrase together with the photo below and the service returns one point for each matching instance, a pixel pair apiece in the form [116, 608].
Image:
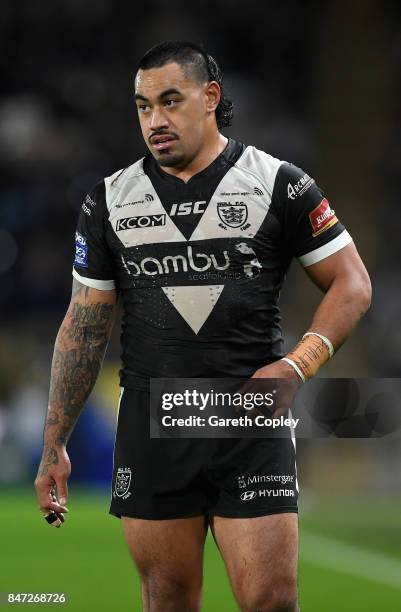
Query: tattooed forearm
[53, 418]
[78, 355]
[74, 373]
[88, 323]
[62, 436]
[50, 457]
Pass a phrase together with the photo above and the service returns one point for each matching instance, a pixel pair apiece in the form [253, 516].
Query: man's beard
[171, 160]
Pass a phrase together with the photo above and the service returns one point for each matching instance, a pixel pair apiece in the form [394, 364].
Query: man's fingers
[47, 498]
[44, 493]
[53, 512]
[50, 505]
[62, 491]
[56, 506]
[52, 491]
[53, 518]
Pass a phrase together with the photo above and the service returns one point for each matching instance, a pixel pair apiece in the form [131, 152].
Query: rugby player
[196, 239]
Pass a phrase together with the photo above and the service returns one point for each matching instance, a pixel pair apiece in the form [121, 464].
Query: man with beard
[196, 238]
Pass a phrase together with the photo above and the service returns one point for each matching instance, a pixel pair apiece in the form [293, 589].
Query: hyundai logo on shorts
[140, 222]
[248, 495]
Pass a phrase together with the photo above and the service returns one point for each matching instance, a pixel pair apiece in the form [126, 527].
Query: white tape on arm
[296, 368]
[327, 342]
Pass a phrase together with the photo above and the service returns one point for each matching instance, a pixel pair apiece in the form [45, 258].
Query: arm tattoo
[78, 356]
[50, 457]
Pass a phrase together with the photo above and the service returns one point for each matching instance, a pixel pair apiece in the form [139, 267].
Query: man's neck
[202, 160]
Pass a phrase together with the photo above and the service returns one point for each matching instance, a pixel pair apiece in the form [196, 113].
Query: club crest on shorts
[232, 214]
[123, 482]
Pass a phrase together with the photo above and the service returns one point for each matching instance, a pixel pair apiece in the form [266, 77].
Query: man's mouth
[162, 141]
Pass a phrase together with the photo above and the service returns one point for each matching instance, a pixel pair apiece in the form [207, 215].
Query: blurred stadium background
[320, 87]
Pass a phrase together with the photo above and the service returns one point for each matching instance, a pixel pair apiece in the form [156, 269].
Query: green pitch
[350, 557]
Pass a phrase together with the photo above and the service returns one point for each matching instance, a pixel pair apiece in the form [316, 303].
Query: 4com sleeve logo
[81, 251]
[322, 217]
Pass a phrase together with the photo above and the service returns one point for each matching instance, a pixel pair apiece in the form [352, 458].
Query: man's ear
[213, 95]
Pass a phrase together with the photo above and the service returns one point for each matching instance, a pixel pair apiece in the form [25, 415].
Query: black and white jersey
[200, 265]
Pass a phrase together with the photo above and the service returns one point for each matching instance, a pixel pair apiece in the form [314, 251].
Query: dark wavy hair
[196, 63]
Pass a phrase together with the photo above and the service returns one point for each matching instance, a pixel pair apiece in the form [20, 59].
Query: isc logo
[186, 208]
[138, 222]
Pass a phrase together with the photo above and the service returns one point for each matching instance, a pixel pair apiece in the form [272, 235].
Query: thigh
[261, 553]
[172, 548]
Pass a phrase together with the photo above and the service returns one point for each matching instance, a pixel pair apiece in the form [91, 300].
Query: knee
[171, 593]
[269, 598]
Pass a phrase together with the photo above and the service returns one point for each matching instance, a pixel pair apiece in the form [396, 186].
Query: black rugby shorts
[177, 478]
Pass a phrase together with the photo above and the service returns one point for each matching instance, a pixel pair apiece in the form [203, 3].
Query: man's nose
[158, 120]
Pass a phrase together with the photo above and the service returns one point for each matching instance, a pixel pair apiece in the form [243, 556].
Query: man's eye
[170, 103]
[142, 108]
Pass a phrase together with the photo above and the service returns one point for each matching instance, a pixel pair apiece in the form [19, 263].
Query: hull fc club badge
[123, 483]
[233, 215]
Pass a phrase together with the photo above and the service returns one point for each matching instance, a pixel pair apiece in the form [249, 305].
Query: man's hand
[278, 378]
[278, 369]
[53, 473]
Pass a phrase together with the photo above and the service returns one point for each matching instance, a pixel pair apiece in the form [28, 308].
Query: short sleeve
[93, 263]
[310, 226]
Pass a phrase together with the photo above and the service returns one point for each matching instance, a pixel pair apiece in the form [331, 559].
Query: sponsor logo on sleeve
[322, 217]
[299, 188]
[81, 251]
[87, 205]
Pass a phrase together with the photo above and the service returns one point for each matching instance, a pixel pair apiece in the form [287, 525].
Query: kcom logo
[248, 495]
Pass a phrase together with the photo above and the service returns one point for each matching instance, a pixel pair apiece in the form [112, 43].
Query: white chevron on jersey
[236, 180]
[254, 174]
[120, 183]
[131, 194]
[260, 167]
[194, 302]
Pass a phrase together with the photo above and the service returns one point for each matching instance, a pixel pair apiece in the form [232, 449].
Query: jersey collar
[227, 157]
